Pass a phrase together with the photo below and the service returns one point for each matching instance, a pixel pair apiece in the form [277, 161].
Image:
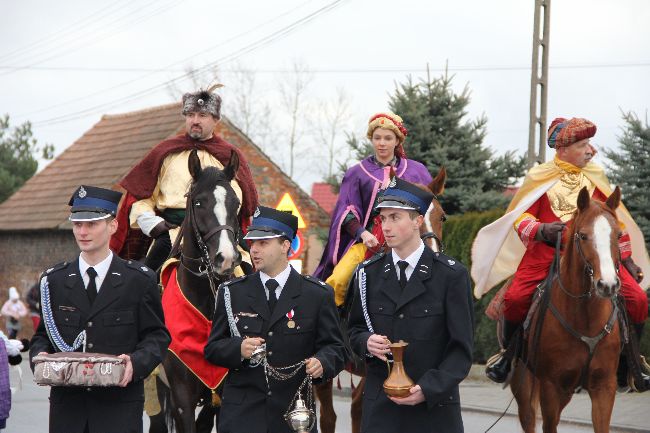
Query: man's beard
[196, 134]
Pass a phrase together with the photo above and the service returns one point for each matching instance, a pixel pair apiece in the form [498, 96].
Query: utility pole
[539, 82]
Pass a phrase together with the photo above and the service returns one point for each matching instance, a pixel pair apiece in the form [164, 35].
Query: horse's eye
[443, 218]
[583, 236]
[197, 203]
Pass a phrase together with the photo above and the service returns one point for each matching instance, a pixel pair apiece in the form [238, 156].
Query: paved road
[29, 413]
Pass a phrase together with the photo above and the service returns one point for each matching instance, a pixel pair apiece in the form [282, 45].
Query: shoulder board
[448, 261]
[371, 260]
[315, 281]
[235, 280]
[140, 267]
[55, 268]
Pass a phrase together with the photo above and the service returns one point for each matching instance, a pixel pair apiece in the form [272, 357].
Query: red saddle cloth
[189, 330]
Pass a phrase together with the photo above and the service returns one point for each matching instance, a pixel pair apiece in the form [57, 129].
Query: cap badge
[393, 183]
[82, 192]
[200, 101]
[257, 213]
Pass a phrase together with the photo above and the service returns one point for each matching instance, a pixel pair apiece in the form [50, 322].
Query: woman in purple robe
[355, 232]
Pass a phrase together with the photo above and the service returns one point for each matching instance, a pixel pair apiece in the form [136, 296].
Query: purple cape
[359, 189]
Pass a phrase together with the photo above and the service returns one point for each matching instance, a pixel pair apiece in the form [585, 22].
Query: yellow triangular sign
[286, 203]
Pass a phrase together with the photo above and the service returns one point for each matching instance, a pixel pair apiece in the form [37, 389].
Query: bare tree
[198, 79]
[248, 107]
[243, 103]
[293, 97]
[333, 118]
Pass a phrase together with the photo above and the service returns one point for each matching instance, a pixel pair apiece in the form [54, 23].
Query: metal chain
[309, 395]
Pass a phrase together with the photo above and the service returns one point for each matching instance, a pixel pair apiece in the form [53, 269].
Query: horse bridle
[432, 235]
[590, 342]
[206, 266]
[589, 270]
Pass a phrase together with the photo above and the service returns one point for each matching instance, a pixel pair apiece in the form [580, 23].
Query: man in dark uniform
[423, 298]
[293, 315]
[116, 303]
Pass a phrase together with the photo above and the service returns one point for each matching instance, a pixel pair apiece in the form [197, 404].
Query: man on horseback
[290, 318]
[423, 298]
[108, 305]
[156, 187]
[539, 212]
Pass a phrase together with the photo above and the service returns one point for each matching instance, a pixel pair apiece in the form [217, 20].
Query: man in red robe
[155, 201]
[545, 219]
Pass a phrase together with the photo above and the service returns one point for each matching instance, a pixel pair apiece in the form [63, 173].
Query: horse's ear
[233, 166]
[437, 185]
[614, 199]
[194, 164]
[583, 199]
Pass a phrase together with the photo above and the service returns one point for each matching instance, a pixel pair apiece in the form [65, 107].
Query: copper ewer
[398, 383]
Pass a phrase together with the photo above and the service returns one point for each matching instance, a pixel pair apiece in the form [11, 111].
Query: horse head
[595, 233]
[212, 208]
[431, 230]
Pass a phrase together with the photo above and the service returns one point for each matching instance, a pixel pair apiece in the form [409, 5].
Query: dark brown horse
[431, 234]
[575, 341]
[208, 255]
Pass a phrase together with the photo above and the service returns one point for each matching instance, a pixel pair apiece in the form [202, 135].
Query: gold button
[90, 324]
[90, 345]
[401, 316]
[270, 333]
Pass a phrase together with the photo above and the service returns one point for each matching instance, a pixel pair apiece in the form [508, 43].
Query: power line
[150, 73]
[249, 48]
[230, 57]
[84, 42]
[341, 70]
[70, 28]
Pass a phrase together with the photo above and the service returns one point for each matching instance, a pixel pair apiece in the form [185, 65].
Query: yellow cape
[491, 265]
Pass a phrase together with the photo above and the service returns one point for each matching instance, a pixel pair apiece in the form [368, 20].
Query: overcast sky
[64, 64]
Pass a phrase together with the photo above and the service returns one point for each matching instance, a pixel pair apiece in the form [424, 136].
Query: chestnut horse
[575, 336]
[431, 234]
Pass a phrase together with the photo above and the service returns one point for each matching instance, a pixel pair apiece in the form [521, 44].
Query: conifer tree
[630, 169]
[440, 134]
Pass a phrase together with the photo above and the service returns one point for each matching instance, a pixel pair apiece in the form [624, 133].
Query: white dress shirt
[412, 260]
[101, 268]
[281, 278]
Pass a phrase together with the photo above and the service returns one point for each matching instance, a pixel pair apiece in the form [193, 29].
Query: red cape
[141, 181]
[189, 330]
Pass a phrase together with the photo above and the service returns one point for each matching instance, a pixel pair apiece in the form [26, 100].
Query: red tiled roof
[105, 153]
[323, 194]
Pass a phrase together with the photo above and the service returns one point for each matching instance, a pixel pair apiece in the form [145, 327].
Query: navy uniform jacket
[126, 317]
[249, 406]
[434, 315]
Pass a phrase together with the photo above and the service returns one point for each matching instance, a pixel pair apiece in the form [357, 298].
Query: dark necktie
[91, 290]
[402, 273]
[272, 285]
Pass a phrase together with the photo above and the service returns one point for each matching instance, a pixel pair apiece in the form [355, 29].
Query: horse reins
[590, 342]
[432, 235]
[206, 266]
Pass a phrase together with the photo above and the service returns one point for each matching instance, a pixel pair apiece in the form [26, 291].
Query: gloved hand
[14, 347]
[633, 269]
[161, 228]
[548, 232]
